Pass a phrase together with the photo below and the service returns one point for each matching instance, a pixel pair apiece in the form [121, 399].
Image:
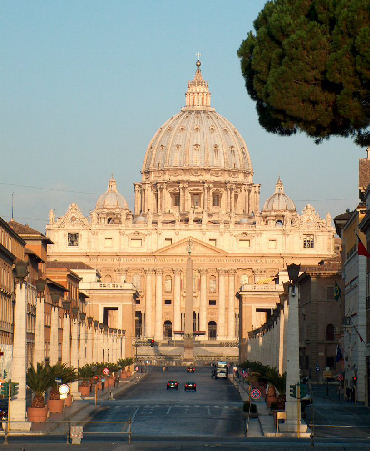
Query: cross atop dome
[198, 96]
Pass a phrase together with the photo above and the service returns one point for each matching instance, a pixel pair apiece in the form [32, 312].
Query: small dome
[279, 201]
[112, 199]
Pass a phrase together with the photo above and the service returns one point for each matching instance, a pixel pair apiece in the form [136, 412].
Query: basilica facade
[196, 195]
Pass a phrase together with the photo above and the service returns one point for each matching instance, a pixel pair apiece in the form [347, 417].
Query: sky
[85, 84]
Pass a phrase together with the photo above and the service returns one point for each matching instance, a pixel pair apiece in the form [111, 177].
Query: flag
[337, 291]
[339, 355]
[361, 249]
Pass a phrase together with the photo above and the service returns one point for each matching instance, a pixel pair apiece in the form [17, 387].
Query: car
[190, 369]
[172, 385]
[190, 386]
[3, 409]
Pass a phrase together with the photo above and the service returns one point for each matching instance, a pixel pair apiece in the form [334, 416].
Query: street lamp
[293, 274]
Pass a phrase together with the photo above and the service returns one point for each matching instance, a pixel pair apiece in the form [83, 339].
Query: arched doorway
[167, 329]
[212, 330]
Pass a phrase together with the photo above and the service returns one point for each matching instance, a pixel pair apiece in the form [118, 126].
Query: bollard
[76, 434]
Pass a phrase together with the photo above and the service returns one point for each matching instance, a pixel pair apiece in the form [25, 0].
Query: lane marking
[169, 410]
[209, 411]
[134, 415]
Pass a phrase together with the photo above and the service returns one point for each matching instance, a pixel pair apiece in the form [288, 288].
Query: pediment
[73, 218]
[198, 248]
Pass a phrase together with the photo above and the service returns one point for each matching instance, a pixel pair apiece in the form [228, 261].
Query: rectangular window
[244, 244]
[176, 200]
[73, 239]
[136, 242]
[167, 241]
[308, 241]
[167, 301]
[216, 200]
[212, 241]
[272, 244]
[212, 302]
[108, 242]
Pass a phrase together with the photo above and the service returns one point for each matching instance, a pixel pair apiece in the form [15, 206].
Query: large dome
[279, 201]
[111, 199]
[197, 137]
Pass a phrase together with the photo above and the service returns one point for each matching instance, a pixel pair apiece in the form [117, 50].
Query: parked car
[190, 386]
[172, 385]
[190, 369]
[4, 409]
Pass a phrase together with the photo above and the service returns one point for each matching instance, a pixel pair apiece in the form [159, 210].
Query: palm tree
[60, 371]
[38, 380]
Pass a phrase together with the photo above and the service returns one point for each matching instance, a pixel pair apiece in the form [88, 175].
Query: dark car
[190, 386]
[190, 369]
[3, 409]
[172, 385]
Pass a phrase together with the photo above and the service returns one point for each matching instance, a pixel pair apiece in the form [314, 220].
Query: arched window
[279, 223]
[107, 278]
[330, 332]
[168, 284]
[212, 284]
[212, 330]
[167, 329]
[216, 200]
[110, 220]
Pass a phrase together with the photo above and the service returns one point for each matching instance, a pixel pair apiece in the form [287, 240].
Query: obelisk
[188, 331]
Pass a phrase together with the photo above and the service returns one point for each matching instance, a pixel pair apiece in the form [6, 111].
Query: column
[17, 407]
[96, 355]
[82, 347]
[205, 197]
[123, 347]
[39, 354]
[231, 307]
[148, 304]
[74, 355]
[177, 301]
[221, 305]
[293, 422]
[158, 331]
[90, 344]
[203, 302]
[54, 335]
[66, 342]
[137, 200]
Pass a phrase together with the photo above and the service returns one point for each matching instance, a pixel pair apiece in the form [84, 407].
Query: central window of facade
[195, 200]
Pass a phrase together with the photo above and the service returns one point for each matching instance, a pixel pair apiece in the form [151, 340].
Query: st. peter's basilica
[196, 189]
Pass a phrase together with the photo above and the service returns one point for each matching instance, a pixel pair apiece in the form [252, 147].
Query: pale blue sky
[84, 85]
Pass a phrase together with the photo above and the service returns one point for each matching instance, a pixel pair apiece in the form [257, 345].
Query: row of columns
[145, 198]
[225, 304]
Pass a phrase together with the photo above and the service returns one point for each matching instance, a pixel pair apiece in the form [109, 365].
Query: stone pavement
[80, 412]
[256, 427]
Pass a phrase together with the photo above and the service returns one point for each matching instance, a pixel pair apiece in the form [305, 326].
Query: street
[214, 410]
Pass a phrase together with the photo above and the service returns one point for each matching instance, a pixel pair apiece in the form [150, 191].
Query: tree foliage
[307, 67]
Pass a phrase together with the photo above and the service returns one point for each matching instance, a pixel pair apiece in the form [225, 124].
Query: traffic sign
[255, 394]
[106, 371]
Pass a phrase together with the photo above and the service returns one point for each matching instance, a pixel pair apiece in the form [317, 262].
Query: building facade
[197, 190]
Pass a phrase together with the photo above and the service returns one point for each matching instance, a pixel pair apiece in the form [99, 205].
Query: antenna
[12, 207]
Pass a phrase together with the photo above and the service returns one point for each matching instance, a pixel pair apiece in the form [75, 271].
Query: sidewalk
[81, 410]
[263, 426]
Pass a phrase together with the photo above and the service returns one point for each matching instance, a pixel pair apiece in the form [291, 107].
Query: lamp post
[292, 406]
